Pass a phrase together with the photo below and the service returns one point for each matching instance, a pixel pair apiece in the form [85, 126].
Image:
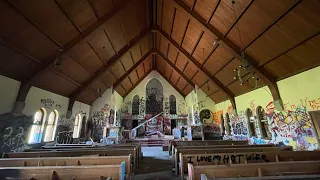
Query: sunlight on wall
[293, 126]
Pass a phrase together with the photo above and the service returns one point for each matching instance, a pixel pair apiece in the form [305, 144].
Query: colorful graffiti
[292, 127]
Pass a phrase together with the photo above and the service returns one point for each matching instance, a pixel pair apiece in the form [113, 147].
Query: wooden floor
[156, 165]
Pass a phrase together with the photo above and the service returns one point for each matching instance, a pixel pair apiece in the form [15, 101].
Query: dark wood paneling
[219, 58]
[173, 53]
[101, 45]
[180, 25]
[85, 55]
[127, 61]
[141, 14]
[15, 65]
[167, 16]
[117, 70]
[205, 47]
[134, 77]
[301, 58]
[189, 2]
[181, 61]
[136, 53]
[58, 27]
[226, 75]
[96, 85]
[209, 87]
[120, 90]
[140, 71]
[129, 21]
[102, 7]
[145, 46]
[188, 89]
[17, 31]
[299, 24]
[260, 15]
[56, 82]
[126, 84]
[87, 97]
[192, 35]
[190, 70]
[114, 31]
[164, 46]
[181, 84]
[200, 78]
[174, 77]
[205, 8]
[219, 96]
[72, 69]
[224, 15]
[108, 79]
[147, 64]
[80, 12]
[168, 71]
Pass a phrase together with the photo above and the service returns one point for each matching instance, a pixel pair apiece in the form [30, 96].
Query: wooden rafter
[108, 65]
[233, 49]
[46, 65]
[230, 95]
[137, 83]
[141, 60]
[174, 86]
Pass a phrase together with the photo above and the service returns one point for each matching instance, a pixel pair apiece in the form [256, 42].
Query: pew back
[255, 170]
[64, 172]
[68, 161]
[183, 164]
[204, 143]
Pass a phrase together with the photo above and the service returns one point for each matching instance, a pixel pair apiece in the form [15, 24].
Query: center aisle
[155, 165]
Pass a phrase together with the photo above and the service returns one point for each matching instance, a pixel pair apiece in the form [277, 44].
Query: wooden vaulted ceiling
[189, 42]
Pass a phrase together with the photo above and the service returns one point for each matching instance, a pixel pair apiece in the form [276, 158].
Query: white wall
[37, 98]
[8, 93]
[168, 90]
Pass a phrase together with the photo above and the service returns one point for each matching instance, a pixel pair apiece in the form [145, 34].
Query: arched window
[263, 122]
[37, 126]
[77, 126]
[51, 126]
[135, 105]
[223, 128]
[228, 127]
[173, 106]
[250, 118]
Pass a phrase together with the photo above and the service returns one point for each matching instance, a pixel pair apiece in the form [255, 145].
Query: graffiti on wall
[292, 127]
[14, 131]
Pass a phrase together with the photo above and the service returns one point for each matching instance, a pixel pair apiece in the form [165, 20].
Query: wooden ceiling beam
[141, 60]
[137, 83]
[230, 95]
[174, 86]
[46, 65]
[109, 64]
[269, 79]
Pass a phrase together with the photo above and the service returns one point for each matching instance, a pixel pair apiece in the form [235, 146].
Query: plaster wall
[293, 126]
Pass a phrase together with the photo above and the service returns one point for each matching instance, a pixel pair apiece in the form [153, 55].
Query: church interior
[159, 89]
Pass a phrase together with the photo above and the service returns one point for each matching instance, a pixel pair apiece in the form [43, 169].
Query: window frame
[54, 125]
[41, 127]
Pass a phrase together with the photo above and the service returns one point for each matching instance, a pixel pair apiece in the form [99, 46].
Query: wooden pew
[68, 161]
[231, 159]
[204, 143]
[116, 172]
[123, 146]
[255, 170]
[175, 155]
[181, 165]
[84, 152]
